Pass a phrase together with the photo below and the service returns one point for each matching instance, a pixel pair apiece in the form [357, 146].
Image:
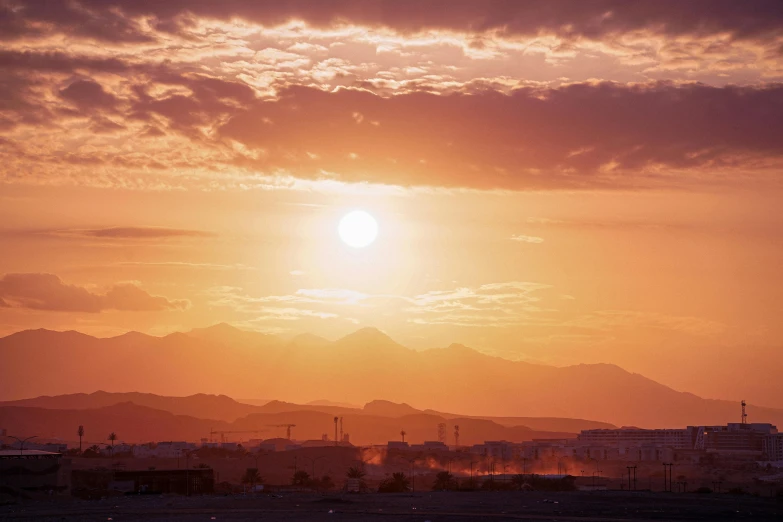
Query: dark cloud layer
[530, 138]
[118, 20]
[49, 292]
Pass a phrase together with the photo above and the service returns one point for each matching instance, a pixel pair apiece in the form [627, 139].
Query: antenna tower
[442, 432]
[456, 435]
[342, 437]
[744, 415]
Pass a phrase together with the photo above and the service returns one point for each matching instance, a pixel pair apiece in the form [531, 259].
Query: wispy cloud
[49, 292]
[527, 239]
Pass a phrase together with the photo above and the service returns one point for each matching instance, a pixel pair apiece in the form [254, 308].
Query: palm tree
[80, 433]
[92, 451]
[301, 478]
[112, 438]
[355, 473]
[252, 477]
[403, 433]
[443, 481]
[398, 483]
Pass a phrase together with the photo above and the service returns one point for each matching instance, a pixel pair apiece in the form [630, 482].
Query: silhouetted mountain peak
[216, 330]
[367, 336]
[389, 408]
[44, 333]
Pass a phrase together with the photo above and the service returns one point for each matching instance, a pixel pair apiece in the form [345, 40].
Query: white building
[624, 438]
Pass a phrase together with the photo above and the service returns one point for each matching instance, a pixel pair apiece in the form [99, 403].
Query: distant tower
[442, 432]
[336, 440]
[744, 415]
[341, 429]
[456, 435]
[402, 434]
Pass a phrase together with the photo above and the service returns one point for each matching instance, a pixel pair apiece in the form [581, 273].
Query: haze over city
[481, 209]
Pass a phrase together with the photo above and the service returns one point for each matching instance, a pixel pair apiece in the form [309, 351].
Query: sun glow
[358, 229]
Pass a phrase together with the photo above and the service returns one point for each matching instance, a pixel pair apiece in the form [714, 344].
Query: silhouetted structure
[97, 483]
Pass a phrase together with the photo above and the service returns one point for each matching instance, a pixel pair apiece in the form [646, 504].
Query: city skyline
[555, 182]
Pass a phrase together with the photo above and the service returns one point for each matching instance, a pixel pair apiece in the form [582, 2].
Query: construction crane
[286, 426]
[223, 433]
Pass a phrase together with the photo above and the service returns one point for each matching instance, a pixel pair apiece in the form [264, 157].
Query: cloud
[88, 95]
[527, 239]
[118, 21]
[186, 264]
[505, 304]
[636, 135]
[131, 233]
[483, 95]
[49, 292]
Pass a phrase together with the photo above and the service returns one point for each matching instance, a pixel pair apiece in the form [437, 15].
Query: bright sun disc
[358, 229]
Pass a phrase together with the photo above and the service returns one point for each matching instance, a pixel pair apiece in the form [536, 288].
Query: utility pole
[629, 477]
[667, 466]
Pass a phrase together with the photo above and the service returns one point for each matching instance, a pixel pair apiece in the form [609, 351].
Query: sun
[358, 229]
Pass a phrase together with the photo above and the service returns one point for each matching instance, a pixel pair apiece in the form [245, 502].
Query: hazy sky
[559, 181]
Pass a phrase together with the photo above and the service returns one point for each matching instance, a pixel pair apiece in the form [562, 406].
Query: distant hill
[228, 410]
[361, 367]
[389, 409]
[134, 424]
[200, 405]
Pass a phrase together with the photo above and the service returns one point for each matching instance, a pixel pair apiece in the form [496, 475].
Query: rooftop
[11, 453]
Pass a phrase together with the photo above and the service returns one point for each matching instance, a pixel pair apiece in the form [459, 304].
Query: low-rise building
[430, 445]
[163, 450]
[624, 438]
[35, 471]
[735, 437]
[773, 447]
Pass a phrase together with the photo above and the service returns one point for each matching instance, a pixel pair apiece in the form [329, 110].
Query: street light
[312, 461]
[21, 442]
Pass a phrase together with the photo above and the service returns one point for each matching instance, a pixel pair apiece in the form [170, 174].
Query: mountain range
[361, 367]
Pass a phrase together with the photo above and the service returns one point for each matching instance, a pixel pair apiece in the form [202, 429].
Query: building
[397, 445]
[179, 481]
[734, 438]
[772, 447]
[625, 438]
[163, 450]
[430, 446]
[639, 444]
[35, 471]
[98, 483]
[499, 449]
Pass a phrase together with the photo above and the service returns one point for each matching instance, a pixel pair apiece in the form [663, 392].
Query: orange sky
[560, 182]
